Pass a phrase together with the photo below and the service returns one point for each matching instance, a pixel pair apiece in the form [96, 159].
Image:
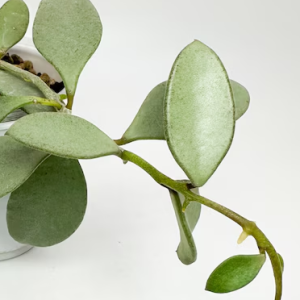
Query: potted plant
[195, 111]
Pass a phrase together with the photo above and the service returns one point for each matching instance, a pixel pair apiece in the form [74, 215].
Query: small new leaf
[11, 85]
[14, 19]
[72, 26]
[187, 221]
[63, 135]
[235, 273]
[199, 112]
[17, 163]
[50, 205]
[241, 98]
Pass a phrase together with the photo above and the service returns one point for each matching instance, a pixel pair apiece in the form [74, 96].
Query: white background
[125, 248]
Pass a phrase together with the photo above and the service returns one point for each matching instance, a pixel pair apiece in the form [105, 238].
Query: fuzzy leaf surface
[17, 163]
[50, 205]
[62, 135]
[199, 112]
[72, 26]
[11, 85]
[148, 124]
[14, 19]
[235, 273]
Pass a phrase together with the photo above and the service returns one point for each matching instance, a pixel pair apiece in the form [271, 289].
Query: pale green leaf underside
[235, 273]
[63, 135]
[17, 163]
[10, 103]
[11, 85]
[148, 123]
[199, 112]
[72, 26]
[14, 19]
[241, 98]
[50, 205]
[186, 251]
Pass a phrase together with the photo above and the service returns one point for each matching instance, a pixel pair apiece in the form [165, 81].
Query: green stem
[46, 102]
[27, 76]
[70, 101]
[248, 226]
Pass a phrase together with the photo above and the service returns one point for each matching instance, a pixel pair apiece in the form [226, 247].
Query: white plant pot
[9, 248]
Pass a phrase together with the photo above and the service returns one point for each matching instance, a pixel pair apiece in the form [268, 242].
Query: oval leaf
[11, 85]
[235, 273]
[148, 123]
[186, 251]
[50, 205]
[63, 135]
[241, 98]
[17, 163]
[199, 112]
[14, 19]
[72, 26]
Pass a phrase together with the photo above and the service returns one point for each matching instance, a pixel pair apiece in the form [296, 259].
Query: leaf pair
[187, 221]
[195, 111]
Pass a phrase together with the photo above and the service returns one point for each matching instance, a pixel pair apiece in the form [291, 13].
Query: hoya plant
[195, 111]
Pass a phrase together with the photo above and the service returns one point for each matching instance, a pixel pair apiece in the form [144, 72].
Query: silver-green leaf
[17, 163]
[73, 27]
[11, 85]
[10, 103]
[235, 273]
[63, 135]
[50, 205]
[14, 19]
[241, 98]
[199, 112]
[148, 123]
[187, 221]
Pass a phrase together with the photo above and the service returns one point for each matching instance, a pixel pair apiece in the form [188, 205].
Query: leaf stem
[27, 76]
[248, 226]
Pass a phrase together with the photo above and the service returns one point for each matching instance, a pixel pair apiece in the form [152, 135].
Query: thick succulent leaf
[10, 103]
[14, 19]
[50, 205]
[281, 261]
[199, 112]
[11, 85]
[17, 163]
[186, 251]
[235, 273]
[63, 135]
[241, 98]
[74, 27]
[148, 123]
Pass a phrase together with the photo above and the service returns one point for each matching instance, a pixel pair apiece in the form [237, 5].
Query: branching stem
[248, 226]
